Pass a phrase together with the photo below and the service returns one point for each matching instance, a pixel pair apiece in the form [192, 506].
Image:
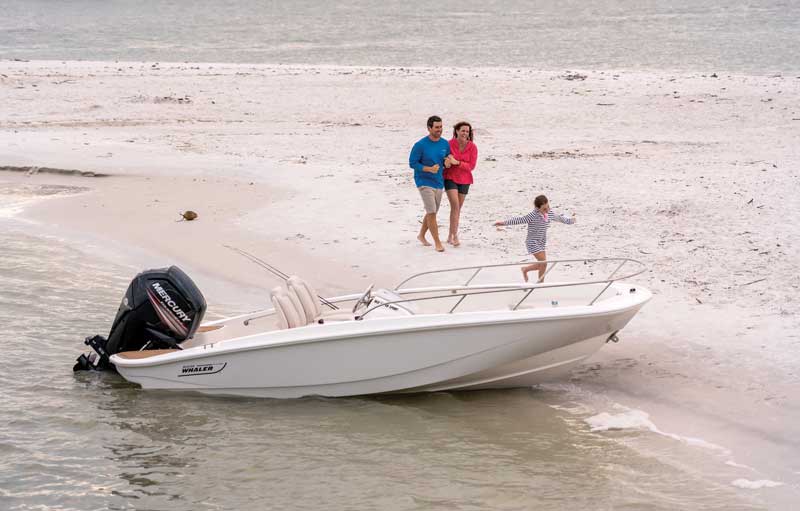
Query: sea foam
[755, 485]
[640, 420]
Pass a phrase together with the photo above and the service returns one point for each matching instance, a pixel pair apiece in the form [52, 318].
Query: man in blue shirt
[428, 158]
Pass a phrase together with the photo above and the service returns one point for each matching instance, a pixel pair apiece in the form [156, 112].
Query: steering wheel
[365, 298]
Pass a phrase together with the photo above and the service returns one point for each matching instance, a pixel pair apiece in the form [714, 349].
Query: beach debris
[139, 98]
[574, 76]
[753, 282]
[33, 170]
[185, 99]
[187, 215]
[714, 75]
[750, 201]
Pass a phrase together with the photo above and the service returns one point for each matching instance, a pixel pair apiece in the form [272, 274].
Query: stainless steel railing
[466, 289]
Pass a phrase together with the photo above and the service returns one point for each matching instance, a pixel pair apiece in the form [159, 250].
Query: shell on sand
[188, 215]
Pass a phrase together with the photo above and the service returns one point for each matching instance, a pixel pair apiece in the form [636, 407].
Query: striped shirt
[537, 227]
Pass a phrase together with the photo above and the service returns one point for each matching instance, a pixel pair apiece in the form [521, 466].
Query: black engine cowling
[161, 309]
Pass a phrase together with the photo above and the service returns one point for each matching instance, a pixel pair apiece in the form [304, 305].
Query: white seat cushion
[308, 302]
[287, 314]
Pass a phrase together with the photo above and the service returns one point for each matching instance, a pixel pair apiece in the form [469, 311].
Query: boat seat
[307, 301]
[285, 310]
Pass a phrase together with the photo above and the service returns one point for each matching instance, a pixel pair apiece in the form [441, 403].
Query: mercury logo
[169, 302]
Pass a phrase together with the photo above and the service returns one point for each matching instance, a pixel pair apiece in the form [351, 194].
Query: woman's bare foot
[525, 274]
[423, 241]
[456, 241]
[439, 247]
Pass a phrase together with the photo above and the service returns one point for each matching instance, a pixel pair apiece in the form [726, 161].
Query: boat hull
[420, 354]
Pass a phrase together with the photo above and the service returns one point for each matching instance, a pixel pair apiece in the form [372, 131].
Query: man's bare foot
[525, 274]
[456, 241]
[439, 247]
[423, 241]
[450, 240]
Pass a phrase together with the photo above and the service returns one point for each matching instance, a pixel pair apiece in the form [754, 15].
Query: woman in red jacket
[458, 174]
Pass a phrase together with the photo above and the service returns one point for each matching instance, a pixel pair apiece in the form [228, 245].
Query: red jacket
[462, 173]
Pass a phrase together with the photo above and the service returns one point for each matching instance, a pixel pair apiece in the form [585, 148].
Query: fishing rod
[275, 271]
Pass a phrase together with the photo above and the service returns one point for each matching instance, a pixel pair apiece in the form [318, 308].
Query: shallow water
[93, 441]
[707, 36]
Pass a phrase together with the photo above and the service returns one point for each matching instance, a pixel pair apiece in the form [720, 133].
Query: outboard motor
[161, 309]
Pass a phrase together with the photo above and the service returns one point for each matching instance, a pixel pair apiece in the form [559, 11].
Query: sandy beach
[696, 175]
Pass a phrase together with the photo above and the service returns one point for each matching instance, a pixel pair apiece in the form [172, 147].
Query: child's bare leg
[529, 268]
[540, 256]
[423, 231]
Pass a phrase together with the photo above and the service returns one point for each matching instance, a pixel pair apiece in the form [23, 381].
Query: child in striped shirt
[538, 221]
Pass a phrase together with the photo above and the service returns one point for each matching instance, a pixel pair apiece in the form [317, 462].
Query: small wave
[630, 419]
[755, 485]
[14, 198]
[732, 463]
[640, 420]
[466, 14]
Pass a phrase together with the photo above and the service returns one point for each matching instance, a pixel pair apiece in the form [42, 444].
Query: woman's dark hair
[432, 119]
[540, 201]
[459, 125]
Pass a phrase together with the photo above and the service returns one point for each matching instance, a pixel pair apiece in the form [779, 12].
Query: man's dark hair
[432, 119]
[540, 201]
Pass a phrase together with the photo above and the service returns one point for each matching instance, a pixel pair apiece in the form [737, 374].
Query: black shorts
[449, 184]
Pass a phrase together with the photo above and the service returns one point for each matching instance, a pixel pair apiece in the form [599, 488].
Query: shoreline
[305, 167]
[704, 73]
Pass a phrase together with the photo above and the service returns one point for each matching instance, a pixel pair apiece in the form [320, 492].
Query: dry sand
[695, 175]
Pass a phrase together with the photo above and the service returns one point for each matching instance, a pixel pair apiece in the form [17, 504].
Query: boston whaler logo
[198, 369]
[169, 302]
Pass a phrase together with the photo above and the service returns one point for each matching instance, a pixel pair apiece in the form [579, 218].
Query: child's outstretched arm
[516, 220]
[563, 219]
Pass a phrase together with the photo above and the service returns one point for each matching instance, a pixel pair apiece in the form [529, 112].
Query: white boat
[479, 327]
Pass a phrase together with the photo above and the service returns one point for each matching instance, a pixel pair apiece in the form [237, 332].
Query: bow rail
[465, 289]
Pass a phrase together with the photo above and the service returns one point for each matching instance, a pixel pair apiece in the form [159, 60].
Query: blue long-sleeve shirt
[427, 153]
